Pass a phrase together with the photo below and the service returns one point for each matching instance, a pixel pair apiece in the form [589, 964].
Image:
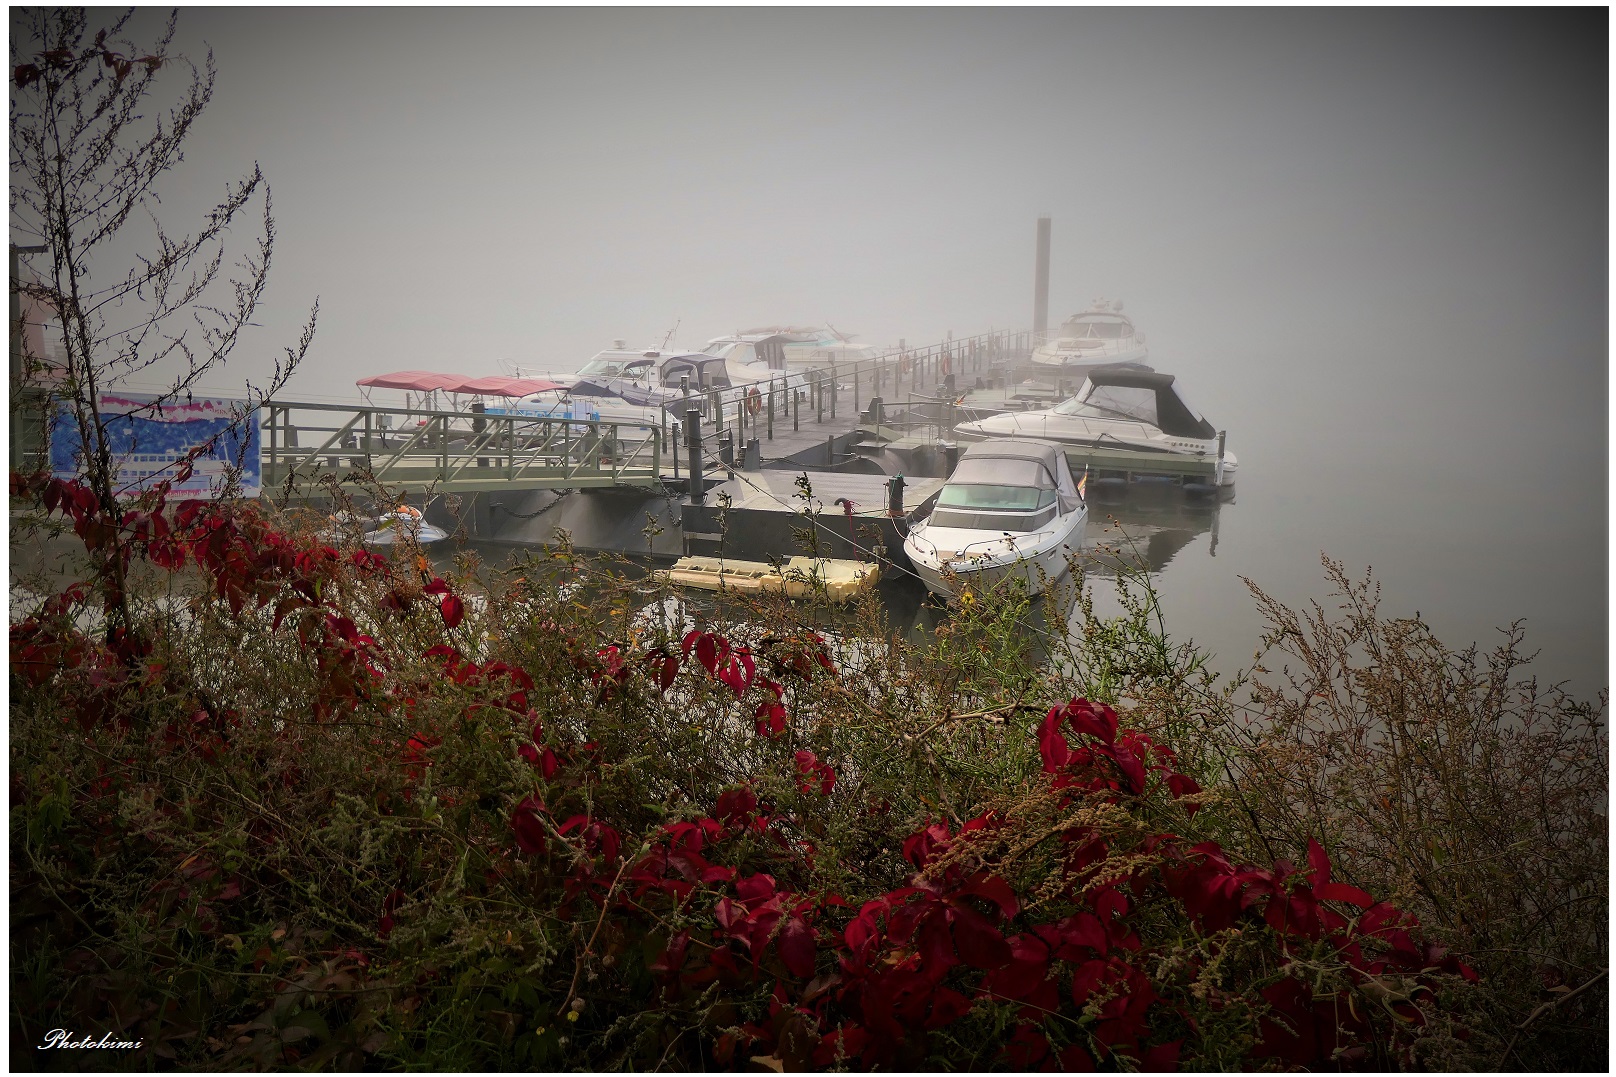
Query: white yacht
[790, 347]
[1099, 336]
[1119, 408]
[1010, 508]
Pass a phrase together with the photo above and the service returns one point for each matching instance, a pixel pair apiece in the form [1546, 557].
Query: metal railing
[825, 387]
[450, 451]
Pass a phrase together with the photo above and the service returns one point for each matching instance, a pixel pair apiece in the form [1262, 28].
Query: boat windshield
[1112, 402]
[632, 369]
[964, 511]
[994, 498]
[1100, 328]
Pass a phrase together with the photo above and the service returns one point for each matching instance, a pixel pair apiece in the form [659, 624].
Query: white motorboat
[1099, 336]
[1010, 508]
[620, 380]
[1117, 408]
[404, 524]
[790, 347]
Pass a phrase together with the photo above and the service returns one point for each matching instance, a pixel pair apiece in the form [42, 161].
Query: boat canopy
[425, 381]
[1123, 392]
[1027, 462]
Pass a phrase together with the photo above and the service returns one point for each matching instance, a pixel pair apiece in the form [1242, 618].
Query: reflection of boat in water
[1098, 336]
[404, 524]
[1010, 509]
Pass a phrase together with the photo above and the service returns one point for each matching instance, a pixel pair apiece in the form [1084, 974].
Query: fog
[1372, 243]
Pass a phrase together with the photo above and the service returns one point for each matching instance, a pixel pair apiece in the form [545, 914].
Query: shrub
[312, 807]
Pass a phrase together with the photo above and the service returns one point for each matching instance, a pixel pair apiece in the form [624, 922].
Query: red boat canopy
[424, 381]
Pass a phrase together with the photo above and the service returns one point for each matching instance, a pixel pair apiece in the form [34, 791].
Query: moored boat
[1124, 409]
[1099, 336]
[1011, 508]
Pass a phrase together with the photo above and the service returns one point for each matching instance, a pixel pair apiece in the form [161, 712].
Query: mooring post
[830, 450]
[895, 495]
[796, 410]
[698, 490]
[673, 453]
[835, 387]
[771, 411]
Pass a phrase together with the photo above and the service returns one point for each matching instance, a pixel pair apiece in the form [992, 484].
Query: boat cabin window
[1112, 402]
[610, 368]
[1096, 328]
[997, 509]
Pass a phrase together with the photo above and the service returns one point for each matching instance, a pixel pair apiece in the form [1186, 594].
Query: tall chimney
[1040, 286]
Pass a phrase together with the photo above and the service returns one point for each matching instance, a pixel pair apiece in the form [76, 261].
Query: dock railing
[833, 384]
[451, 451]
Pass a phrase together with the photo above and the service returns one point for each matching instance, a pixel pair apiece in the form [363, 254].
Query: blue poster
[150, 444]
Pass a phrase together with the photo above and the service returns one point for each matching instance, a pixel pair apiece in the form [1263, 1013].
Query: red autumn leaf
[977, 941]
[796, 946]
[530, 834]
[454, 611]
[1163, 1058]
[993, 889]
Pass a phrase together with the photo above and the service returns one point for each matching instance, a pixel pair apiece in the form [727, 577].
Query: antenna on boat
[669, 338]
[841, 336]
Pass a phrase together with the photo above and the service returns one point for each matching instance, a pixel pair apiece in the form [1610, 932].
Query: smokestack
[1040, 286]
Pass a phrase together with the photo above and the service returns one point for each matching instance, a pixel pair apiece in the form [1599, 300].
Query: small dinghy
[1011, 508]
[798, 577]
[404, 524]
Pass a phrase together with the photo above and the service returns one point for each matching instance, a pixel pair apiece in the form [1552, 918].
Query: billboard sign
[150, 443]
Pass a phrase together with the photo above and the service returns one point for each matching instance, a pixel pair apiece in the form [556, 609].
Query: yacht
[788, 347]
[1117, 407]
[1099, 336]
[620, 379]
[1009, 509]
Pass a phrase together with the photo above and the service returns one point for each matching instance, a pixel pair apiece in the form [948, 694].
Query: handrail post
[771, 412]
[835, 389]
[698, 490]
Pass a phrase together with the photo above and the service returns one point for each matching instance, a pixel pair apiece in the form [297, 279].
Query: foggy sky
[1372, 243]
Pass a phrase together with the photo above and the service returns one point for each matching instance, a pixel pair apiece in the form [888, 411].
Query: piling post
[771, 412]
[1040, 284]
[895, 495]
[698, 490]
[796, 410]
[835, 390]
[674, 451]
[855, 391]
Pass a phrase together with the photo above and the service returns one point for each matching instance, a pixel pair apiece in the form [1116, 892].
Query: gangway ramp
[450, 451]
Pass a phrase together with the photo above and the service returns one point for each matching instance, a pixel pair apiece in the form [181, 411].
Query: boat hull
[1039, 569]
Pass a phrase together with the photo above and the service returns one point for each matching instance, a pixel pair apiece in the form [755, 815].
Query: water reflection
[1145, 532]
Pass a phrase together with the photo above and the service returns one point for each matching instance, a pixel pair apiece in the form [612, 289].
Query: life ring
[754, 401]
[904, 364]
[946, 365]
